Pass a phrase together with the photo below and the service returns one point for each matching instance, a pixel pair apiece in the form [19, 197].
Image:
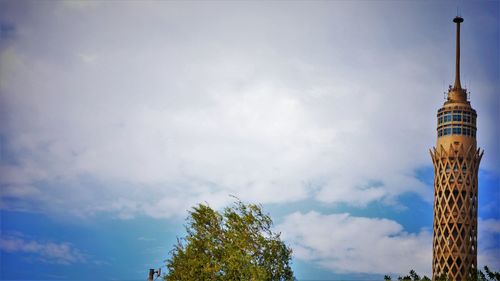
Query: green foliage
[492, 275]
[476, 275]
[235, 245]
[413, 276]
[442, 277]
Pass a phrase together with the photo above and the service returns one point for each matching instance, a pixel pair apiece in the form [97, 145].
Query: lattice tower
[456, 162]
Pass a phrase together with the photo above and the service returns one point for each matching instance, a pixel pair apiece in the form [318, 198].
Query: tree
[476, 275]
[493, 275]
[413, 276]
[237, 244]
[442, 277]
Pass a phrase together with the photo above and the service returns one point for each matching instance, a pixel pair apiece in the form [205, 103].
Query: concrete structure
[456, 162]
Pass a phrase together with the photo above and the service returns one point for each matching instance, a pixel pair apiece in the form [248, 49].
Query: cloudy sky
[117, 117]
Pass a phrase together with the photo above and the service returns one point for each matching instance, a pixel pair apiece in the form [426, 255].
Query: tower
[456, 162]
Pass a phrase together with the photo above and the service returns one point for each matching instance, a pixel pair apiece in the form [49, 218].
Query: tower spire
[457, 93]
[457, 85]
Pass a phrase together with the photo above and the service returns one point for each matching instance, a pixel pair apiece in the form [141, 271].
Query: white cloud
[149, 109]
[348, 244]
[50, 252]
[489, 243]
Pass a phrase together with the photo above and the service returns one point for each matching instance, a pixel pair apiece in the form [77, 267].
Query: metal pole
[151, 274]
[457, 85]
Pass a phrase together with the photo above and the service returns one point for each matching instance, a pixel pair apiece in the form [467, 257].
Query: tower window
[456, 130]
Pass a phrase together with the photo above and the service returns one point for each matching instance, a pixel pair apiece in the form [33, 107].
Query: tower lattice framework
[455, 210]
[456, 163]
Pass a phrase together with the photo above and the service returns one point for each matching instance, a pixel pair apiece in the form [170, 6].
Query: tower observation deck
[456, 162]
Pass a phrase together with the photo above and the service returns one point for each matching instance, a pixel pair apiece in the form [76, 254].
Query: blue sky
[117, 117]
